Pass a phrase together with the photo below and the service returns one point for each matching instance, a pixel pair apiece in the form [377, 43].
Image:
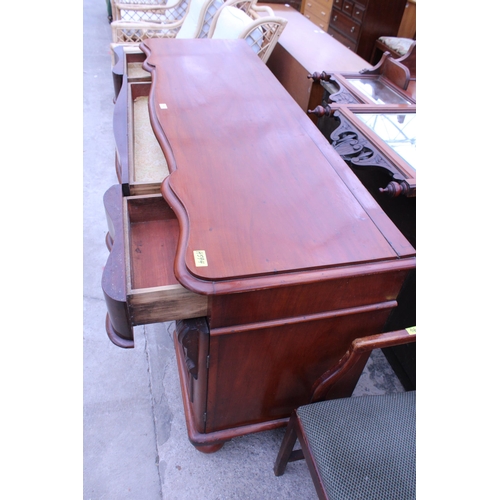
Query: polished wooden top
[254, 184]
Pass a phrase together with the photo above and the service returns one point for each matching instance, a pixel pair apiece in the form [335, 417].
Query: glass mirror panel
[377, 91]
[397, 130]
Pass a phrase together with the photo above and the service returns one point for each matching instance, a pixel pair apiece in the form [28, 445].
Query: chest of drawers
[356, 23]
[318, 11]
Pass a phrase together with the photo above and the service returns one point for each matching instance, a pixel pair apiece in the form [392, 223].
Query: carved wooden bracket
[188, 334]
[357, 150]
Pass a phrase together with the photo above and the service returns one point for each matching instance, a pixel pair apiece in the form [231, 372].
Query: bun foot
[211, 448]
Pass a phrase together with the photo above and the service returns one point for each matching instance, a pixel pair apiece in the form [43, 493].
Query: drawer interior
[148, 160]
[153, 234]
[134, 69]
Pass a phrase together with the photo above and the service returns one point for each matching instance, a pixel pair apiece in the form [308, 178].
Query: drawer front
[345, 25]
[317, 12]
[358, 12]
[321, 22]
[326, 4]
[348, 7]
[350, 44]
[306, 299]
[338, 4]
[261, 375]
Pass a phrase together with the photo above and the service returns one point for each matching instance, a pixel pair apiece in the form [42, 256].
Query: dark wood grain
[288, 208]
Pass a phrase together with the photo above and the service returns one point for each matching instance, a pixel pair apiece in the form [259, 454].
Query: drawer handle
[352, 29]
[357, 12]
[346, 7]
[323, 14]
[309, 4]
[335, 18]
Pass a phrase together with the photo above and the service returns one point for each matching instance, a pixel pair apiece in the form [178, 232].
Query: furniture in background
[302, 49]
[296, 4]
[159, 11]
[356, 447]
[400, 44]
[408, 26]
[260, 243]
[396, 46]
[231, 19]
[356, 23]
[194, 22]
[318, 11]
[257, 25]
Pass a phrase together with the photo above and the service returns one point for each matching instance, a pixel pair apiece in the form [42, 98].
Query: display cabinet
[370, 120]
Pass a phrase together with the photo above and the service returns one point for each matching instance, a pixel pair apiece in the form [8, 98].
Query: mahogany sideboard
[262, 244]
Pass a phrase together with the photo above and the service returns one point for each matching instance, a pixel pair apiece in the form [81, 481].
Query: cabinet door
[260, 375]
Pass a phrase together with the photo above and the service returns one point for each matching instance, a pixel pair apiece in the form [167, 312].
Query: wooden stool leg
[286, 449]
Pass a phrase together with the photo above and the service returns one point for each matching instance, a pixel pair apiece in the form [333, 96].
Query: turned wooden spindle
[394, 189]
[320, 111]
[320, 76]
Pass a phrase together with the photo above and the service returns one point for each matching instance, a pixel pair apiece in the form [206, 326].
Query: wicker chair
[156, 11]
[210, 19]
[244, 19]
[195, 24]
[356, 447]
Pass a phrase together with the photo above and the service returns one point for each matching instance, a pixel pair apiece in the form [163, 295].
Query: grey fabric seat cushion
[364, 447]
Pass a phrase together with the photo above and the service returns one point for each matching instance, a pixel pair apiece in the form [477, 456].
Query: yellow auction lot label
[200, 258]
[412, 330]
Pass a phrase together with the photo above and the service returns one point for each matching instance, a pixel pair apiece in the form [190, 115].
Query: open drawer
[127, 66]
[140, 163]
[138, 281]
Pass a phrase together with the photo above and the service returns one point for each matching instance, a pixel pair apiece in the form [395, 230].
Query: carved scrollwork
[188, 334]
[357, 150]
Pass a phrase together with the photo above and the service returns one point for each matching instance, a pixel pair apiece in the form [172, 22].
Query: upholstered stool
[356, 448]
[396, 46]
